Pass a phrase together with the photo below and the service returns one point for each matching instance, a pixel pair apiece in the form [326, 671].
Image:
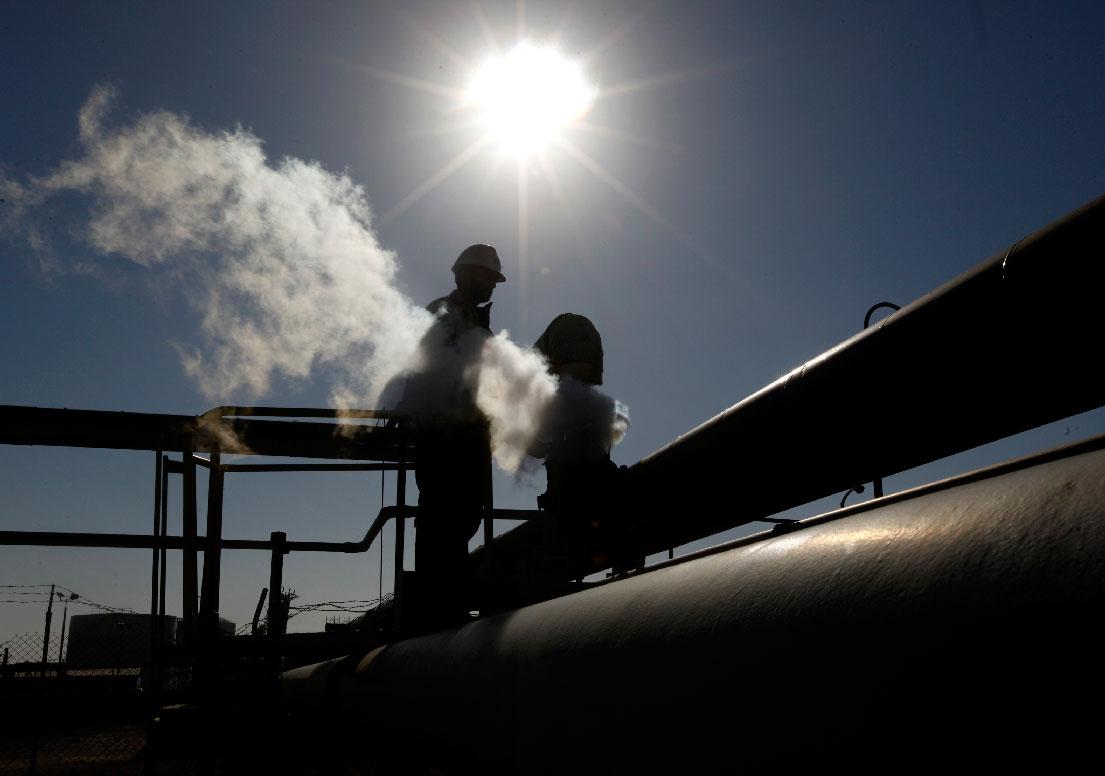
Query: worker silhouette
[452, 441]
[576, 436]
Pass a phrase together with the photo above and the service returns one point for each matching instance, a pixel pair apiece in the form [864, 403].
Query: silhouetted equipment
[1005, 347]
[949, 626]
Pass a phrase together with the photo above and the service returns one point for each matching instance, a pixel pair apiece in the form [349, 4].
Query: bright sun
[528, 95]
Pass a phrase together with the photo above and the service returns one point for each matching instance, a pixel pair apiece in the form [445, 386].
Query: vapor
[290, 274]
[515, 391]
[280, 260]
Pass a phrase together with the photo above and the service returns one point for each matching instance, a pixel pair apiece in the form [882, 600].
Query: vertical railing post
[188, 623]
[153, 674]
[488, 508]
[479, 596]
[207, 624]
[212, 553]
[400, 531]
[156, 561]
[164, 550]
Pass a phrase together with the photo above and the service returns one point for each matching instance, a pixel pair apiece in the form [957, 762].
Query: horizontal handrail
[147, 541]
[176, 467]
[230, 411]
[310, 467]
[324, 437]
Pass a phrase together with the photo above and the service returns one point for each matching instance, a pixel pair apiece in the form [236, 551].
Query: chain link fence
[82, 710]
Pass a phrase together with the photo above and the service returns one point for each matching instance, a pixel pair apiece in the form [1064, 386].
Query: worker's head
[573, 348]
[477, 271]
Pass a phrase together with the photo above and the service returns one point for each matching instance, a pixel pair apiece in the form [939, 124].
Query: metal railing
[222, 430]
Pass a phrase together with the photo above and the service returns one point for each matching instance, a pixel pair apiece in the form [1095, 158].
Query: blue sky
[766, 172]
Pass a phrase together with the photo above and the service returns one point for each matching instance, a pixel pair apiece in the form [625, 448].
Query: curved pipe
[879, 306]
[876, 484]
[954, 627]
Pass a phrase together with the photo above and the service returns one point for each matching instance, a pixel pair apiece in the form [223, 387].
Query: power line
[357, 606]
[74, 602]
[104, 607]
[44, 598]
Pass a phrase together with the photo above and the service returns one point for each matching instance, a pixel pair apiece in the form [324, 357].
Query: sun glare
[528, 95]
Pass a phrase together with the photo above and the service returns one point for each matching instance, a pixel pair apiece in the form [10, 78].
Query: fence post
[277, 614]
[46, 633]
[42, 684]
[257, 611]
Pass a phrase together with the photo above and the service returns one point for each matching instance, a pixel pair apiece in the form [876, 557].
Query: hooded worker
[577, 434]
[452, 442]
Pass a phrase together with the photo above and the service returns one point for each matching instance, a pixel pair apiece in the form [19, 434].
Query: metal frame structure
[234, 430]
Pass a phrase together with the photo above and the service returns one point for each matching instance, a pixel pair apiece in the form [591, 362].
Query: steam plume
[291, 276]
[515, 391]
[291, 273]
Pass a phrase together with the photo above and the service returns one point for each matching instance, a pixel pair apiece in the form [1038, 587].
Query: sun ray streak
[469, 124]
[433, 181]
[618, 33]
[561, 197]
[409, 81]
[523, 248]
[491, 173]
[629, 137]
[566, 19]
[435, 40]
[485, 26]
[631, 87]
[637, 201]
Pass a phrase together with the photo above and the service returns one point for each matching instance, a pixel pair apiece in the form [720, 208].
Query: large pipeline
[949, 629]
[1008, 346]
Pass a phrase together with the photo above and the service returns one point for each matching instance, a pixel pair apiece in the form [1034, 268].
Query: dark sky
[756, 175]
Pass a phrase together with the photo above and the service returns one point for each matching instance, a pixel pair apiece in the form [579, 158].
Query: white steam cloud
[291, 275]
[515, 391]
